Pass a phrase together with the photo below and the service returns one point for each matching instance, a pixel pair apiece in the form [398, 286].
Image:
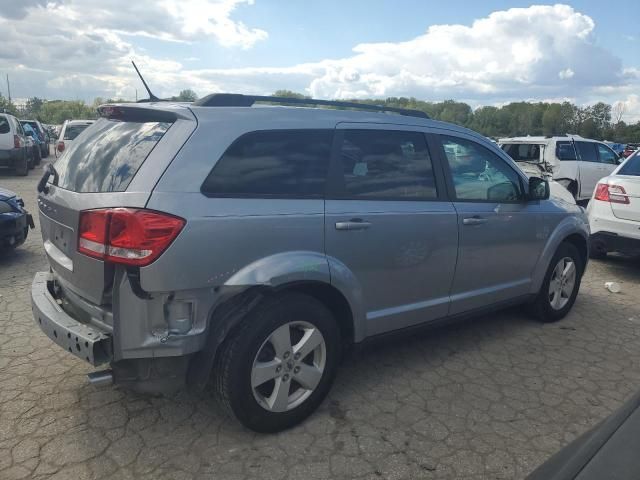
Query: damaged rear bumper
[84, 341]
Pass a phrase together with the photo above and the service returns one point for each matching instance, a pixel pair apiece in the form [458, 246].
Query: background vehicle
[616, 147]
[609, 450]
[614, 212]
[69, 131]
[629, 149]
[14, 152]
[368, 223]
[14, 220]
[34, 143]
[42, 136]
[575, 162]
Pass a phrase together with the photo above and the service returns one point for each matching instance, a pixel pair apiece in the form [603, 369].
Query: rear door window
[587, 151]
[275, 163]
[387, 165]
[72, 131]
[109, 155]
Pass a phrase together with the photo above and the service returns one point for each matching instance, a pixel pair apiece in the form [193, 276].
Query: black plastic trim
[239, 100]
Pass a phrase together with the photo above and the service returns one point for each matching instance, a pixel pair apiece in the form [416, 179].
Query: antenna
[152, 97]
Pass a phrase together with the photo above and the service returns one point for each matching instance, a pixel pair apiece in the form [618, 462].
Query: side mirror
[538, 189]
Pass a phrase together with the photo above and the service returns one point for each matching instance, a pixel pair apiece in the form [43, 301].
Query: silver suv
[253, 244]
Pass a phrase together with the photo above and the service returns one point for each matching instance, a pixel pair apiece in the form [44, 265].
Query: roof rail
[239, 100]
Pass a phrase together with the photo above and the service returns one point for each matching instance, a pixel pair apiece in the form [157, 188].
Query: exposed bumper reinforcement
[84, 341]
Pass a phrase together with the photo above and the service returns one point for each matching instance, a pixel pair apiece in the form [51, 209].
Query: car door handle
[475, 220]
[353, 224]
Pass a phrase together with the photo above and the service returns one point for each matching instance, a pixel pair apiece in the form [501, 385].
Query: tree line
[599, 121]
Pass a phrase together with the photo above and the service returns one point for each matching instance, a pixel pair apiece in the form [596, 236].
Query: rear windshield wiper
[48, 171]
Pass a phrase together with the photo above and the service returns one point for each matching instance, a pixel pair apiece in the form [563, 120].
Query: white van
[14, 152]
[575, 162]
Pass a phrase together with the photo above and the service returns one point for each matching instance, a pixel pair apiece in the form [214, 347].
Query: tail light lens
[16, 141]
[60, 146]
[611, 194]
[128, 236]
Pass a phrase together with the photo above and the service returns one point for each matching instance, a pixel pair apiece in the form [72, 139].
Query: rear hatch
[627, 206]
[114, 163]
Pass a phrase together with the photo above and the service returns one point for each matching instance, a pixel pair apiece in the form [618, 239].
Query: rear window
[631, 166]
[277, 163]
[109, 155]
[72, 131]
[4, 124]
[523, 152]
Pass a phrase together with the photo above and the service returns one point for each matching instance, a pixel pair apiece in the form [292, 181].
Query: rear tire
[22, 167]
[274, 400]
[598, 250]
[38, 157]
[558, 292]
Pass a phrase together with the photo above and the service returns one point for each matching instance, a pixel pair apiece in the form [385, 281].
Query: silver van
[250, 245]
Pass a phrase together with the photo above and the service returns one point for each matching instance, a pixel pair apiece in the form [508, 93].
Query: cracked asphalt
[490, 398]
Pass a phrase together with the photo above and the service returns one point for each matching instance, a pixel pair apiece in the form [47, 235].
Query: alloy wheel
[288, 366]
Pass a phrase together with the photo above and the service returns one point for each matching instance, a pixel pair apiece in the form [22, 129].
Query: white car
[575, 162]
[614, 211]
[68, 133]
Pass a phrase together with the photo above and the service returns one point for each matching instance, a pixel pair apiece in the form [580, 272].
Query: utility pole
[8, 88]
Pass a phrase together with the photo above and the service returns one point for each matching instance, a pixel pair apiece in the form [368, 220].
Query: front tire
[560, 286]
[278, 366]
[38, 156]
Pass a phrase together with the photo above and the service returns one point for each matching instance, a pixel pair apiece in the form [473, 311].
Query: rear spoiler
[137, 113]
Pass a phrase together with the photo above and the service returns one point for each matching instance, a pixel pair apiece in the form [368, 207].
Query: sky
[484, 53]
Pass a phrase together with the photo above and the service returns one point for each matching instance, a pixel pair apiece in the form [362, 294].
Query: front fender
[575, 224]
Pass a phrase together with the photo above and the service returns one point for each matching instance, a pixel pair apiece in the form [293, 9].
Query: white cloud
[566, 73]
[69, 48]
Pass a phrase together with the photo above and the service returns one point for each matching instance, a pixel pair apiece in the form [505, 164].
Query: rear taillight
[127, 235]
[16, 141]
[611, 194]
[617, 194]
[60, 146]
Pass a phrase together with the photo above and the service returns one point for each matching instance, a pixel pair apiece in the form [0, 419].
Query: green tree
[6, 105]
[57, 111]
[187, 95]
[33, 107]
[288, 94]
[552, 120]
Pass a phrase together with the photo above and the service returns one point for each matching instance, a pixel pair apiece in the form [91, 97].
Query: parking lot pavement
[489, 398]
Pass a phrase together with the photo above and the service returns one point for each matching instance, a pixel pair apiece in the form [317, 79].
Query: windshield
[631, 166]
[108, 155]
[72, 131]
[523, 152]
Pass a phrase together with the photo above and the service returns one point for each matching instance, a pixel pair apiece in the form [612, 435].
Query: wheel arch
[571, 229]
[239, 302]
